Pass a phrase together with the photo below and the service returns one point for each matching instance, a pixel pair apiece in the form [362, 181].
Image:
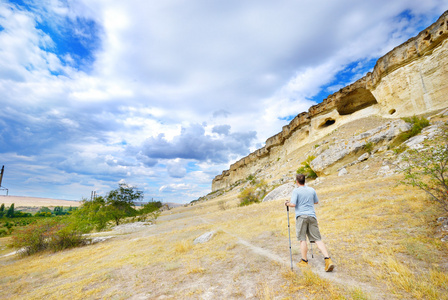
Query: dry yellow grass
[380, 236]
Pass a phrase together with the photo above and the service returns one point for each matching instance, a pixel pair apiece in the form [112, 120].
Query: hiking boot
[303, 263]
[329, 266]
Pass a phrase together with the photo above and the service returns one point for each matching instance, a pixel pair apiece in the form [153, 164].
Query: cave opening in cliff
[392, 111]
[328, 122]
[354, 101]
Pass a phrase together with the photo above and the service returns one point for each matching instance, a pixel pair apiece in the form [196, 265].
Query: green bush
[368, 147]
[150, 207]
[19, 214]
[253, 194]
[43, 214]
[66, 238]
[306, 169]
[4, 232]
[248, 196]
[91, 215]
[48, 234]
[417, 125]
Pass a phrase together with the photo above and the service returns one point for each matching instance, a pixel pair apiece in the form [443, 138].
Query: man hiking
[303, 199]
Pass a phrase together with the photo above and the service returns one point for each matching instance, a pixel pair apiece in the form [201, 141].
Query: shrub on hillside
[306, 169]
[46, 235]
[417, 124]
[427, 169]
[368, 147]
[150, 207]
[4, 231]
[150, 211]
[91, 215]
[253, 194]
[248, 196]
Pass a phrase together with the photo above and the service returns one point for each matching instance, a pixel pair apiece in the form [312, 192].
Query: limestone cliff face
[409, 80]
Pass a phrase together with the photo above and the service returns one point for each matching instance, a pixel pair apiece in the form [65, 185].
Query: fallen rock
[99, 239]
[363, 157]
[383, 149]
[317, 181]
[385, 171]
[431, 131]
[416, 141]
[442, 219]
[343, 172]
[282, 192]
[204, 238]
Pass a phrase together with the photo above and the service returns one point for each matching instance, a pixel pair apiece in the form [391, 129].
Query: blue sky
[164, 95]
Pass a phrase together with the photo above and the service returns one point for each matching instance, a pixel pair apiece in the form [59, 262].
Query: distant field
[34, 201]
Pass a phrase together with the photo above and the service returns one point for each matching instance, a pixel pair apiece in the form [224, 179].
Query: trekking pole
[289, 235]
[311, 246]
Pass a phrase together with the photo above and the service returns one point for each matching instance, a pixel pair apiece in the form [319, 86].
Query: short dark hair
[300, 178]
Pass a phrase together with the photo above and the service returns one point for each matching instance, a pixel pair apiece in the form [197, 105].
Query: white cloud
[214, 79]
[172, 187]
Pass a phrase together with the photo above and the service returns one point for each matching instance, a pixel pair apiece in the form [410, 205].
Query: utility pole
[1, 178]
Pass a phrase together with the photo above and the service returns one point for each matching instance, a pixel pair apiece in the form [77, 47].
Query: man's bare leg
[304, 249]
[322, 248]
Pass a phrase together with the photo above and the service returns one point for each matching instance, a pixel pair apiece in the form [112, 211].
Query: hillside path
[317, 265]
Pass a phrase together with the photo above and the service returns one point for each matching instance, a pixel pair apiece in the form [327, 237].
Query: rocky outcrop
[409, 80]
[344, 147]
[282, 192]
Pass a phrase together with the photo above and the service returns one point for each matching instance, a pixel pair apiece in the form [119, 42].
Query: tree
[10, 212]
[427, 169]
[120, 202]
[96, 213]
[2, 210]
[59, 211]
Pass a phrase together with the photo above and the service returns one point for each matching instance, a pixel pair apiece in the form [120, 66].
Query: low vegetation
[368, 147]
[383, 237]
[254, 193]
[65, 228]
[49, 234]
[306, 169]
[380, 235]
[427, 169]
[417, 124]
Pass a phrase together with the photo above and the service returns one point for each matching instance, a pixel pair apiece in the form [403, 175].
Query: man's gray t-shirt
[304, 198]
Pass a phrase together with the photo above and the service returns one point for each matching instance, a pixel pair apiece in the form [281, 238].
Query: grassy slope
[380, 235]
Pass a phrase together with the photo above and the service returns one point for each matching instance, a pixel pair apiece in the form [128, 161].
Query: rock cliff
[409, 80]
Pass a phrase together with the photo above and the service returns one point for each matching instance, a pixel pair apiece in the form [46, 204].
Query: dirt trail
[317, 265]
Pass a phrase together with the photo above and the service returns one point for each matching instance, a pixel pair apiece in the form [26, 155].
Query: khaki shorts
[307, 226]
